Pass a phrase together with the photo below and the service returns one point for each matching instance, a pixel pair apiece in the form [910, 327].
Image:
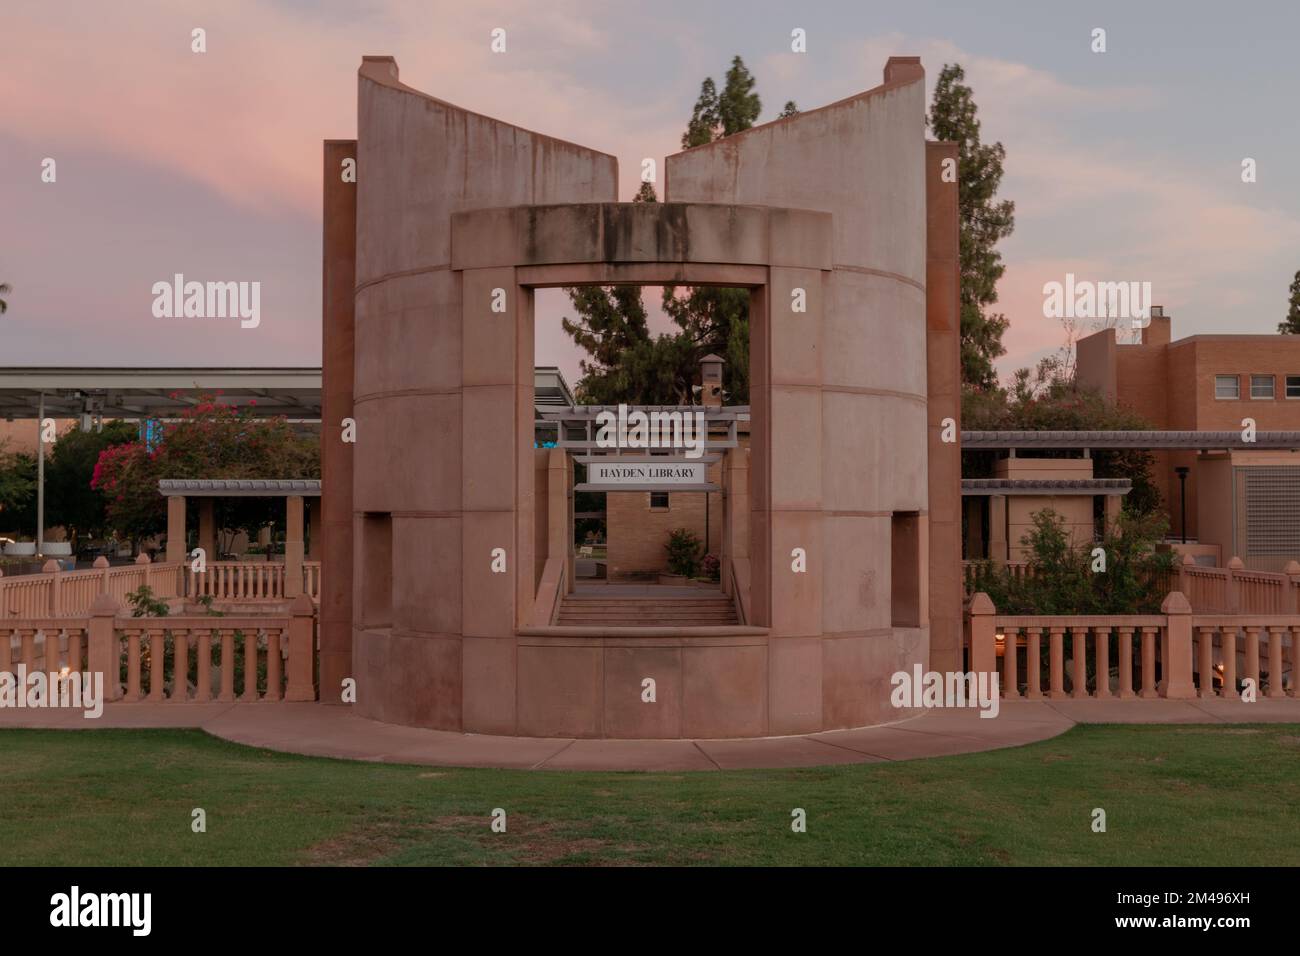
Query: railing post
[983, 639]
[148, 578]
[1176, 648]
[302, 647]
[1291, 601]
[1234, 585]
[1252, 657]
[1148, 642]
[1185, 575]
[101, 645]
[1010, 682]
[101, 565]
[53, 567]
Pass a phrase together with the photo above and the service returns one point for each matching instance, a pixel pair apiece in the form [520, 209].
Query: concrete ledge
[615, 233]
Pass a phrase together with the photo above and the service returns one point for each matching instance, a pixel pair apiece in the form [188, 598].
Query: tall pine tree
[983, 221]
[626, 363]
[1291, 325]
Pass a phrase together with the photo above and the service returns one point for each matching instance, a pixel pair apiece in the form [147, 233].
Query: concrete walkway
[333, 731]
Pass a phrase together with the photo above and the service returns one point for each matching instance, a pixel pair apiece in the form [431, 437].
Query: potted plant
[255, 552]
[683, 549]
[23, 547]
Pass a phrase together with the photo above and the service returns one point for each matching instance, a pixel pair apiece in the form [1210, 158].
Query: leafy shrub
[684, 550]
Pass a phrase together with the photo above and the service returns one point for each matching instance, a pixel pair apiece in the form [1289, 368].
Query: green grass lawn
[1185, 795]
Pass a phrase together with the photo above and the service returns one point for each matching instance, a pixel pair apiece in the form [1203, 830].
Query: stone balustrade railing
[1174, 654]
[58, 593]
[187, 658]
[1228, 590]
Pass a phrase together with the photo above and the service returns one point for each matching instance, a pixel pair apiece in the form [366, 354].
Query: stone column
[1176, 649]
[293, 548]
[1113, 504]
[314, 529]
[208, 528]
[998, 551]
[943, 402]
[175, 529]
[338, 305]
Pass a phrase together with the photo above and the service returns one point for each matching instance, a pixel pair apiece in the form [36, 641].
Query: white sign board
[665, 473]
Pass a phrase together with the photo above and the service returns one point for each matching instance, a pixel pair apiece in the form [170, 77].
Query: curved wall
[442, 382]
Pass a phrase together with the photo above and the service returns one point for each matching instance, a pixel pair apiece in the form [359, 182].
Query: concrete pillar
[983, 636]
[101, 645]
[559, 513]
[1113, 505]
[293, 547]
[300, 686]
[974, 527]
[943, 403]
[313, 529]
[998, 550]
[175, 529]
[208, 528]
[338, 308]
[1176, 649]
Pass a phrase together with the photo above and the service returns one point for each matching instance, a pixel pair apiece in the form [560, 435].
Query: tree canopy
[983, 221]
[1291, 324]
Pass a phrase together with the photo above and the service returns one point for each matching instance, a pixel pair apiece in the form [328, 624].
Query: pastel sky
[1123, 165]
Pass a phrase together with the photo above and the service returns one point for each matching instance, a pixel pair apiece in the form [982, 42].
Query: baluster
[1252, 657]
[52, 665]
[250, 665]
[180, 666]
[1295, 662]
[1149, 662]
[1126, 663]
[157, 654]
[1205, 660]
[227, 665]
[1079, 650]
[1101, 654]
[273, 663]
[1056, 663]
[1228, 648]
[203, 672]
[132, 663]
[1033, 663]
[1275, 635]
[1010, 685]
[28, 648]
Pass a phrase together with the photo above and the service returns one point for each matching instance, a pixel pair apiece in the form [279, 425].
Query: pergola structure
[292, 490]
[140, 394]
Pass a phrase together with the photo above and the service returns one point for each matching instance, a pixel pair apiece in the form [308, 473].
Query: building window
[1261, 386]
[906, 573]
[658, 501]
[1293, 386]
[1227, 386]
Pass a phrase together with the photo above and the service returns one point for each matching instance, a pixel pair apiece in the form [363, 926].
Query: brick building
[1244, 502]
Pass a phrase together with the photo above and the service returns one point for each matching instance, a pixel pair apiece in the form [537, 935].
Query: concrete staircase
[709, 609]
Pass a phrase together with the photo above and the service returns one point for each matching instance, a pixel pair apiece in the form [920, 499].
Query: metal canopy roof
[1046, 486]
[139, 393]
[239, 487]
[1180, 440]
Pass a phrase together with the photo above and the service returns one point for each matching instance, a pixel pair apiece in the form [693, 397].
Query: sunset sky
[1123, 166]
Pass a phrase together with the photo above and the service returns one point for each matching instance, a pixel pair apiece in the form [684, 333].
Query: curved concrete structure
[458, 218]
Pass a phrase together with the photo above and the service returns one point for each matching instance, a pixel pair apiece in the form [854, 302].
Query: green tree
[1057, 404]
[983, 221]
[627, 363]
[1291, 326]
[17, 491]
[210, 440]
[70, 499]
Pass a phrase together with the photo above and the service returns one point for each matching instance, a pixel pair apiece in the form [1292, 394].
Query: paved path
[333, 731]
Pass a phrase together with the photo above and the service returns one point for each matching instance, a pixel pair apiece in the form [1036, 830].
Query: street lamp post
[1182, 471]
